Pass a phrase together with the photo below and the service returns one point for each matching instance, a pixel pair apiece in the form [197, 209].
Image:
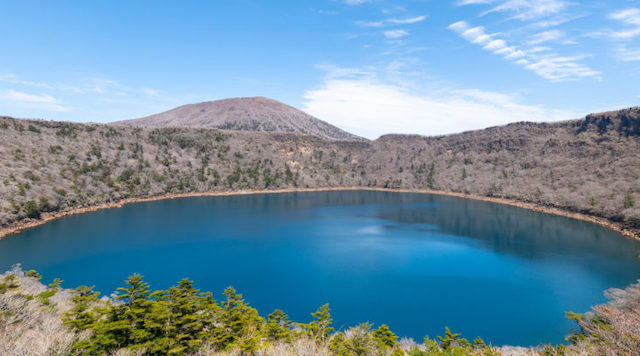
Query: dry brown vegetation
[30, 322]
[590, 166]
[244, 114]
[614, 328]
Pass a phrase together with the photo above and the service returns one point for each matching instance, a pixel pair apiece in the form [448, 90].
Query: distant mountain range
[244, 114]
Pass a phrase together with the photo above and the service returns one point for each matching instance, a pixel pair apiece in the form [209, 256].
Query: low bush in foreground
[40, 320]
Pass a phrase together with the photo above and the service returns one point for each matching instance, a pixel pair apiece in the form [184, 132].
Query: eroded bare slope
[243, 114]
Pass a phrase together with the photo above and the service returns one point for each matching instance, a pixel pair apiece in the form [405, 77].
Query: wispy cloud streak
[522, 9]
[44, 101]
[548, 65]
[392, 22]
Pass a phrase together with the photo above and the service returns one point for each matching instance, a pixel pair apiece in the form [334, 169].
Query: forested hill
[590, 166]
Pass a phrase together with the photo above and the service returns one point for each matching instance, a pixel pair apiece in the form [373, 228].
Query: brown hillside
[243, 114]
[590, 166]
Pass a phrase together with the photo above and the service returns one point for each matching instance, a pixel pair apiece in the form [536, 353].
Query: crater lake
[416, 262]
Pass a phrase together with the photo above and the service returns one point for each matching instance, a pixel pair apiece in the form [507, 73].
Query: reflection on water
[416, 262]
[524, 233]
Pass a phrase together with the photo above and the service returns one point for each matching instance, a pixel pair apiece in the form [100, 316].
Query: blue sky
[368, 66]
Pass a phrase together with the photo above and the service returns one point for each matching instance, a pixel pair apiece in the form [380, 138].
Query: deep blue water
[416, 262]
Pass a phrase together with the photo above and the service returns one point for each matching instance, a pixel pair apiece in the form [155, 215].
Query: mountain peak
[243, 114]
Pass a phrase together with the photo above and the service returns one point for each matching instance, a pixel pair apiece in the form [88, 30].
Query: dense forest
[589, 166]
[182, 320]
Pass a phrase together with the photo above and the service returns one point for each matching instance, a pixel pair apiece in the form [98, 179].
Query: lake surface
[416, 262]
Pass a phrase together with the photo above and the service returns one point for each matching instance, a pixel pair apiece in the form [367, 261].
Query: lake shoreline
[22, 225]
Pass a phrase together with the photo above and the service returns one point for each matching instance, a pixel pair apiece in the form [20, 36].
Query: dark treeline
[183, 320]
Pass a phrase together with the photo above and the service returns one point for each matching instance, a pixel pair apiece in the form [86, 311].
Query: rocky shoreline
[19, 226]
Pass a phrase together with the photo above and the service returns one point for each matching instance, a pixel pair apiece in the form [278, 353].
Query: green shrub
[60, 191]
[33, 129]
[44, 296]
[30, 209]
[9, 282]
[45, 206]
[67, 131]
[629, 201]
[31, 176]
[55, 149]
[33, 274]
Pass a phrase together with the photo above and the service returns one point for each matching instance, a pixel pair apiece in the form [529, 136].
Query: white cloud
[522, 9]
[626, 34]
[43, 101]
[477, 35]
[393, 34]
[628, 55]
[559, 69]
[529, 9]
[407, 21]
[324, 12]
[630, 17]
[355, 2]
[473, 2]
[555, 21]
[149, 91]
[547, 65]
[545, 36]
[332, 71]
[392, 21]
[14, 79]
[538, 49]
[540, 14]
[96, 85]
[495, 45]
[370, 109]
[459, 26]
[82, 98]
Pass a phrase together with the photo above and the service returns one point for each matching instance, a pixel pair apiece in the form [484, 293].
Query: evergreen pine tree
[321, 327]
[451, 340]
[385, 336]
[184, 325]
[81, 316]
[129, 324]
[278, 327]
[241, 323]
